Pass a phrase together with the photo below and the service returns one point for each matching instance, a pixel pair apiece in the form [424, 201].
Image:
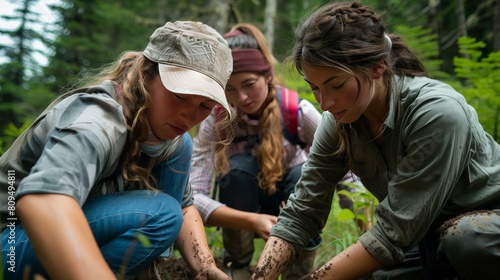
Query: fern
[480, 81]
[424, 43]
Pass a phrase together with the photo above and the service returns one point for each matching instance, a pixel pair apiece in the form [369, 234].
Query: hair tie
[389, 41]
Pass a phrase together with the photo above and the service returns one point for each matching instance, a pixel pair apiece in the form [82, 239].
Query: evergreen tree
[20, 64]
[94, 33]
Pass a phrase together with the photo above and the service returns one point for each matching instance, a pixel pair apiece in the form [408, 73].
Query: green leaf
[143, 239]
[345, 215]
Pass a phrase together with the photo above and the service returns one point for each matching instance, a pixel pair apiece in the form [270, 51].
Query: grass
[337, 235]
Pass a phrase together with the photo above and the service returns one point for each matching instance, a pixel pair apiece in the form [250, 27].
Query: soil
[175, 268]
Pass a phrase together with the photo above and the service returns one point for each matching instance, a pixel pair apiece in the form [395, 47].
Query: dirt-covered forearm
[275, 258]
[193, 246]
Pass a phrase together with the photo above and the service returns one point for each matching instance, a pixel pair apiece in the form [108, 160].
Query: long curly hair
[131, 73]
[269, 152]
[352, 38]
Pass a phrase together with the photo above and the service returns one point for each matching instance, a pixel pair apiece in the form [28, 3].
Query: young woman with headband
[259, 169]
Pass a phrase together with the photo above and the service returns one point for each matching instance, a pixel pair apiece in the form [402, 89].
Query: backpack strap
[220, 112]
[288, 101]
[289, 104]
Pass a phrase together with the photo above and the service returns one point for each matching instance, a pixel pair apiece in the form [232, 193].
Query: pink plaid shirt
[202, 163]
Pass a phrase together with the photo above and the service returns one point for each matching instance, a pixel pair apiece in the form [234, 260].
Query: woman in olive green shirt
[414, 142]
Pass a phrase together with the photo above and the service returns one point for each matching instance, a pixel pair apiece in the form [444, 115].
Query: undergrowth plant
[341, 230]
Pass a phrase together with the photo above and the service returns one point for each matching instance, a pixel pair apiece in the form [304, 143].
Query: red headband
[249, 60]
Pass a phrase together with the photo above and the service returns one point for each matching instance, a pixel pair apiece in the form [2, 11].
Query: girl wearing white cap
[106, 165]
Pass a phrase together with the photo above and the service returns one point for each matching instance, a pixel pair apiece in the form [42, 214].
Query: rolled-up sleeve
[82, 139]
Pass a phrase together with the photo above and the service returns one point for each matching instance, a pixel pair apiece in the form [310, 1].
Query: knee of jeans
[464, 236]
[165, 221]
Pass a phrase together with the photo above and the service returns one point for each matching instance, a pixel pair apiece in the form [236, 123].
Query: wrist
[204, 272]
[252, 221]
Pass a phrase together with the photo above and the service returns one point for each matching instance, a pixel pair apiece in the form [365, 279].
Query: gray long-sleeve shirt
[436, 162]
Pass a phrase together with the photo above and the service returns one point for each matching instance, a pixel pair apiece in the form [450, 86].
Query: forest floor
[175, 268]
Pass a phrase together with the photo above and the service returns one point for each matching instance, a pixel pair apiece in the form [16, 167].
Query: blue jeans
[117, 219]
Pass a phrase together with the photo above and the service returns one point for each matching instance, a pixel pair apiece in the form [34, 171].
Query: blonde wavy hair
[131, 72]
[270, 153]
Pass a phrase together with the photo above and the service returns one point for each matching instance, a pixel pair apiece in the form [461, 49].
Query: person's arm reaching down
[61, 237]
[227, 217]
[193, 246]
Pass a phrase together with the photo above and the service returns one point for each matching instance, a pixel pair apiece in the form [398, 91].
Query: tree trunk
[162, 7]
[433, 15]
[220, 15]
[496, 25]
[270, 15]
[462, 27]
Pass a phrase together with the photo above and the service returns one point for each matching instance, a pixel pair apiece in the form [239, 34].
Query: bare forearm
[61, 237]
[275, 258]
[352, 263]
[227, 217]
